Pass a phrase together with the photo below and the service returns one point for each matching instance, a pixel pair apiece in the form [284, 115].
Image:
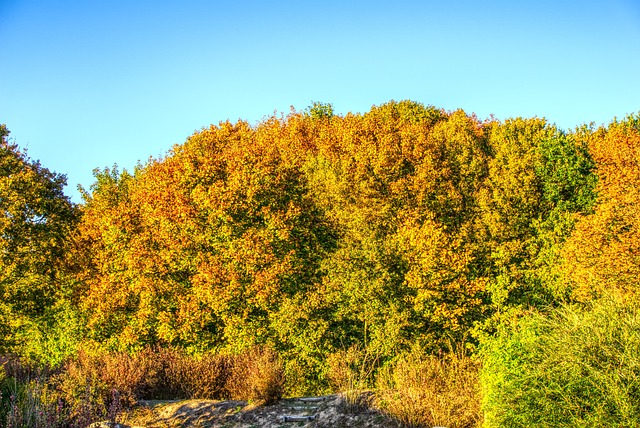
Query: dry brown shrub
[173, 376]
[426, 390]
[79, 387]
[132, 376]
[209, 377]
[185, 376]
[257, 375]
[94, 387]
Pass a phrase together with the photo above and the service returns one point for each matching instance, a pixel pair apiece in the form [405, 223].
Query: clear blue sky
[86, 84]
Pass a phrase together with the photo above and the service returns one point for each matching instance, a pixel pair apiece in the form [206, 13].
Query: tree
[602, 256]
[318, 110]
[399, 183]
[201, 247]
[538, 179]
[36, 220]
[440, 236]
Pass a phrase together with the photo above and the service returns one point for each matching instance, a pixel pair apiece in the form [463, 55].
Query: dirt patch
[305, 412]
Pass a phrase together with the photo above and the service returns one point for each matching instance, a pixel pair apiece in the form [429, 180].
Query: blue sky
[87, 84]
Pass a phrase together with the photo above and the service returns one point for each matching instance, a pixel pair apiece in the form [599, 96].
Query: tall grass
[26, 399]
[576, 367]
[426, 390]
[352, 373]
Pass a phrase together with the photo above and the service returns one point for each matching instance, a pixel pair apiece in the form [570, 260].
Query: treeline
[406, 227]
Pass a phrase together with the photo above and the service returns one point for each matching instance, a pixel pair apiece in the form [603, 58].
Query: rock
[105, 424]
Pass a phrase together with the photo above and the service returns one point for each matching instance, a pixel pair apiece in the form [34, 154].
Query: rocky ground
[305, 412]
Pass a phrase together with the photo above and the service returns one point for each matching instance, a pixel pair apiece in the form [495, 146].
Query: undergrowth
[579, 366]
[90, 388]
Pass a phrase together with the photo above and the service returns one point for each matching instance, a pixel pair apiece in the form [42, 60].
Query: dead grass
[425, 391]
[184, 376]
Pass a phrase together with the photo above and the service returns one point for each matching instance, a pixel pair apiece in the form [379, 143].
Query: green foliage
[539, 178]
[575, 367]
[36, 220]
[318, 110]
[55, 337]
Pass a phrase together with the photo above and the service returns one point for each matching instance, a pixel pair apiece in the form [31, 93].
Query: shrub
[133, 376]
[578, 366]
[91, 388]
[425, 390]
[153, 373]
[81, 389]
[257, 375]
[184, 376]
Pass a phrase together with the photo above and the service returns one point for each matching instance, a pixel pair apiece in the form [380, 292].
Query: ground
[305, 412]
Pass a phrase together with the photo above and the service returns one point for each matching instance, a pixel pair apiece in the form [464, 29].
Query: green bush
[53, 338]
[578, 366]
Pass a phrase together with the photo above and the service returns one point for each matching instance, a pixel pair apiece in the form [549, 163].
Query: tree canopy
[36, 220]
[315, 232]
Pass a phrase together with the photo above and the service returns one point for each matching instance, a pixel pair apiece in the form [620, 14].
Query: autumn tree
[441, 238]
[603, 254]
[538, 178]
[390, 180]
[105, 234]
[200, 248]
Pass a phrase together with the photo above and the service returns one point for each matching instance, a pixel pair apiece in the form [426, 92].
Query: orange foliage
[312, 232]
[210, 237]
[603, 254]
